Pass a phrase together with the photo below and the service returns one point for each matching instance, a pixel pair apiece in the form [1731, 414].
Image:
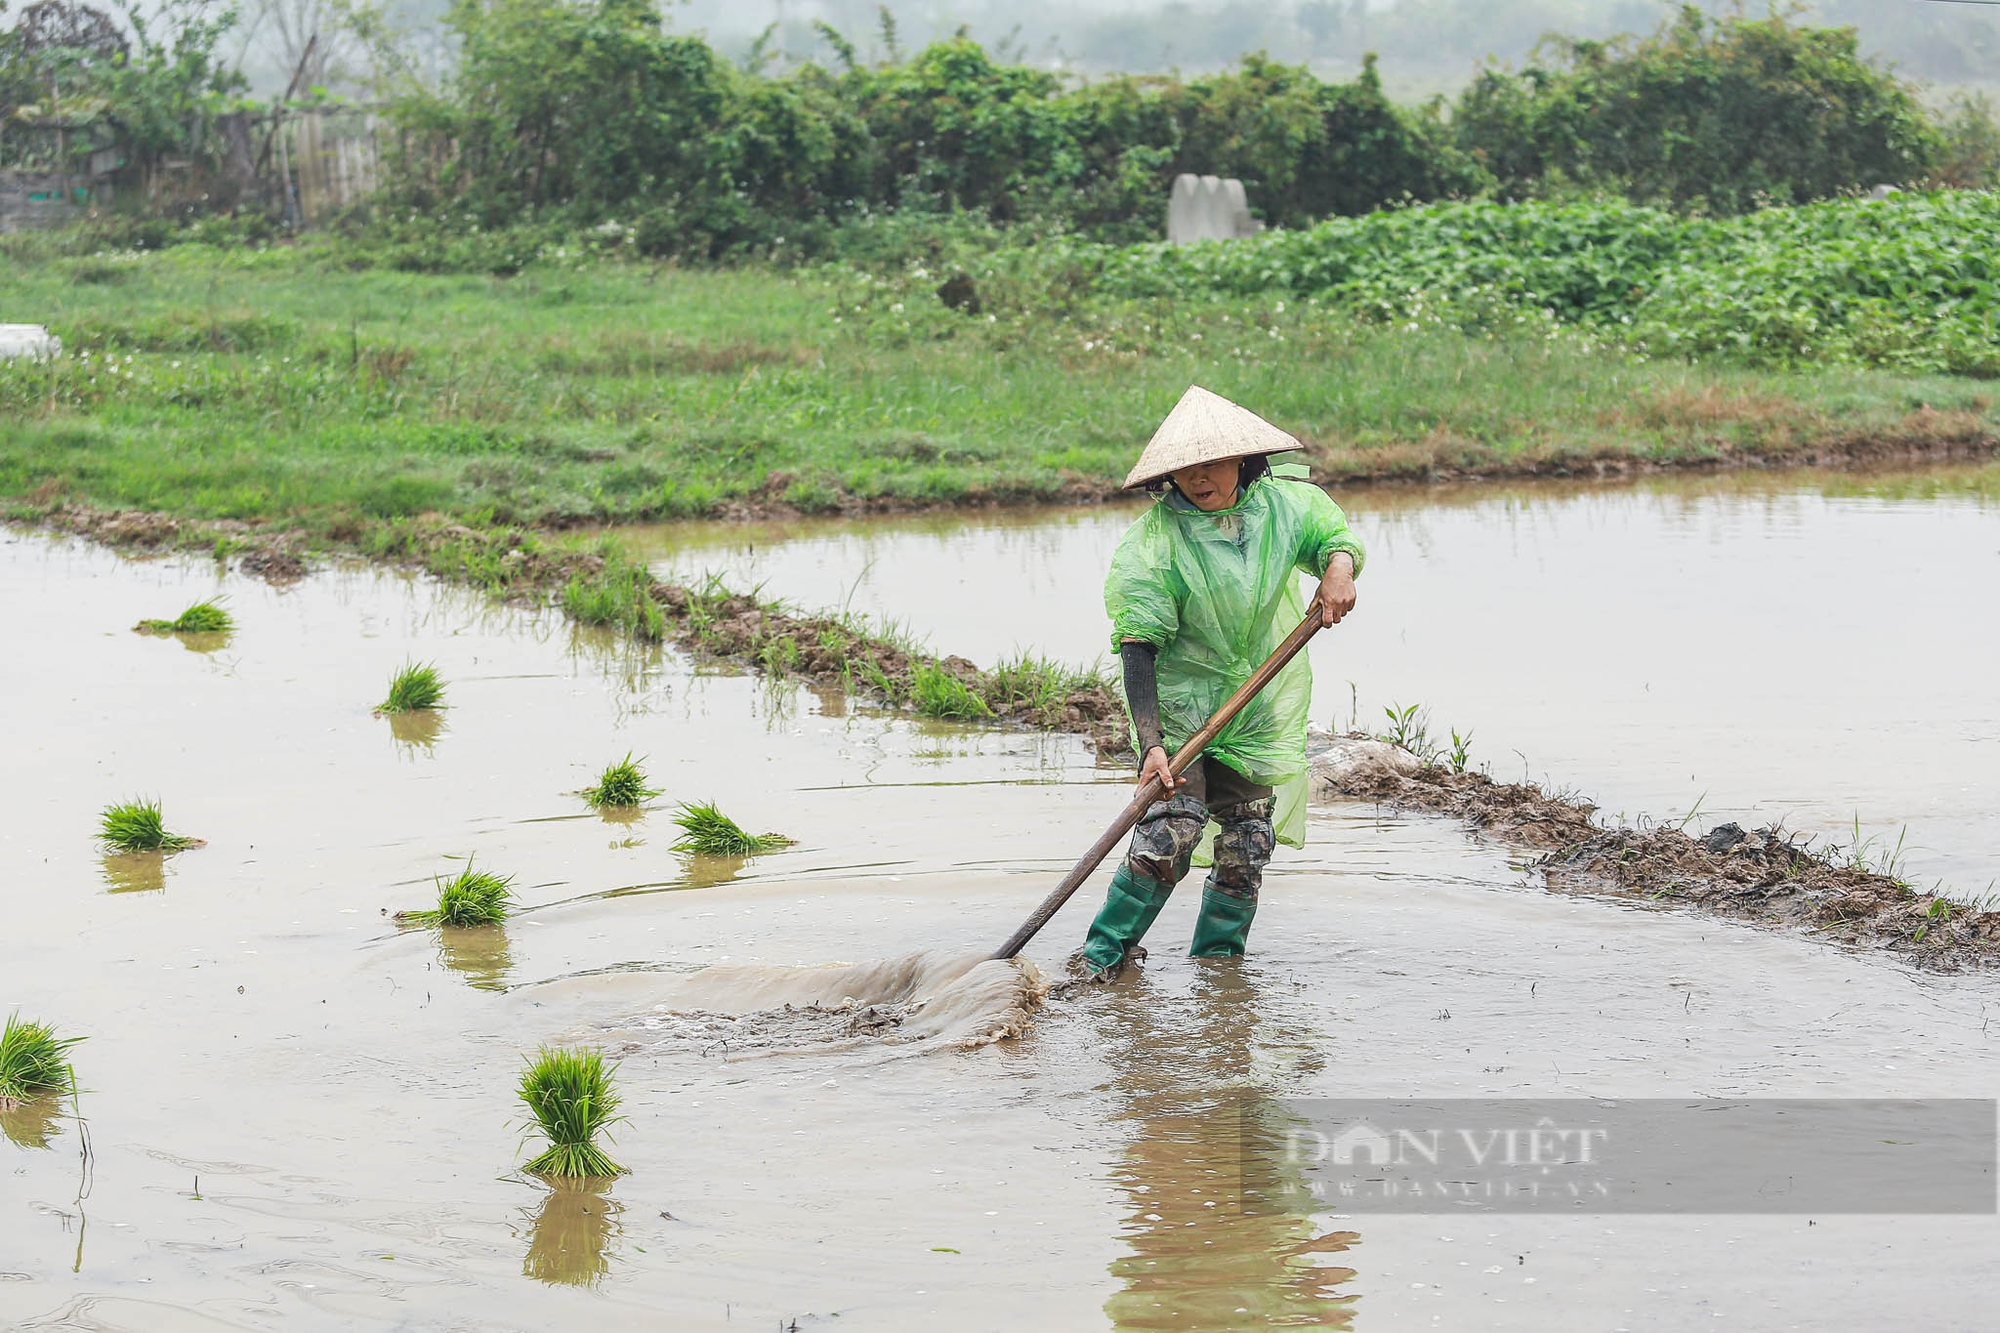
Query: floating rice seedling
[707, 830]
[34, 1062]
[570, 1094]
[417, 686]
[470, 898]
[201, 618]
[136, 826]
[620, 785]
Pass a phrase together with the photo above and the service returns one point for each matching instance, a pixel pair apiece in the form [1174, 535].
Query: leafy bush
[1906, 282]
[1720, 114]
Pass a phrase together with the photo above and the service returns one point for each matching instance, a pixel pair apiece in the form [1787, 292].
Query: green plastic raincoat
[1215, 594]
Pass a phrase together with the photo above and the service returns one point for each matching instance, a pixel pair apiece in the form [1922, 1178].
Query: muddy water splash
[948, 1000]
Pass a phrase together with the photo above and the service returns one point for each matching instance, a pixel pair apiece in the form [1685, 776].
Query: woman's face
[1211, 486]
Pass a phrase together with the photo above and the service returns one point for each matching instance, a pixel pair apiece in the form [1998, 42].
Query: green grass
[569, 1093]
[616, 595]
[335, 401]
[621, 785]
[706, 830]
[201, 618]
[34, 1062]
[935, 692]
[1038, 686]
[416, 687]
[136, 826]
[469, 898]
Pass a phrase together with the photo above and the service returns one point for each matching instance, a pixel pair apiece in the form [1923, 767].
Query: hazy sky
[1426, 46]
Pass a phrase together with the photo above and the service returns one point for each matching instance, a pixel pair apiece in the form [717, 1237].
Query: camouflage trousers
[1163, 843]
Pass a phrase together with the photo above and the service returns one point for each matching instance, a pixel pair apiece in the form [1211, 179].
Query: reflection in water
[572, 1231]
[705, 872]
[34, 1123]
[623, 817]
[1216, 1241]
[831, 695]
[480, 954]
[416, 731]
[204, 643]
[639, 670]
[135, 872]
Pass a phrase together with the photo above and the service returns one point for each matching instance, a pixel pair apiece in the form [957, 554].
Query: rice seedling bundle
[201, 618]
[136, 826]
[707, 830]
[569, 1093]
[33, 1062]
[470, 898]
[414, 688]
[621, 784]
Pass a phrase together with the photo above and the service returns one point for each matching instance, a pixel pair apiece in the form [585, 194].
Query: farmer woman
[1202, 588]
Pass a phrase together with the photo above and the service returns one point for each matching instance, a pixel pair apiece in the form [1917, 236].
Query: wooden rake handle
[1150, 791]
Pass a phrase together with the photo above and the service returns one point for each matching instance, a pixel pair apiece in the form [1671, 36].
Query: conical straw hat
[1205, 427]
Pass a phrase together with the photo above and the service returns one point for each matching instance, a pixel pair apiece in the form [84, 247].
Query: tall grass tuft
[470, 898]
[621, 785]
[1038, 687]
[570, 1095]
[201, 618]
[136, 826]
[937, 693]
[416, 687]
[34, 1062]
[707, 830]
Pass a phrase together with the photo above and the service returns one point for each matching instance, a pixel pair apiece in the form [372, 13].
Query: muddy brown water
[301, 1117]
[1812, 648]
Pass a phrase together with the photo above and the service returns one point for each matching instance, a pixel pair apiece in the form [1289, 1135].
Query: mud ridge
[828, 651]
[525, 567]
[1766, 876]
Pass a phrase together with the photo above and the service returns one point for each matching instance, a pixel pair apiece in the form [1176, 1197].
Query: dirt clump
[1765, 875]
[1517, 812]
[1770, 876]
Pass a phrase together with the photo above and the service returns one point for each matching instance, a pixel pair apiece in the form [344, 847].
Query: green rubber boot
[1223, 926]
[1129, 908]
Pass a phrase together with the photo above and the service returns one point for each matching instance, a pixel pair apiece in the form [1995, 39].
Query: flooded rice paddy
[1810, 648]
[300, 1116]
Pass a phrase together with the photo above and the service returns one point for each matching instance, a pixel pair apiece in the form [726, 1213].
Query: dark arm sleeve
[1142, 691]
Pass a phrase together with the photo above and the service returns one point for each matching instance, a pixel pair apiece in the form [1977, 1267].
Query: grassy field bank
[275, 388]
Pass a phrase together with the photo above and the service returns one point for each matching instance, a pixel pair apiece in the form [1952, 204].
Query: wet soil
[1766, 876]
[830, 651]
[957, 1001]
